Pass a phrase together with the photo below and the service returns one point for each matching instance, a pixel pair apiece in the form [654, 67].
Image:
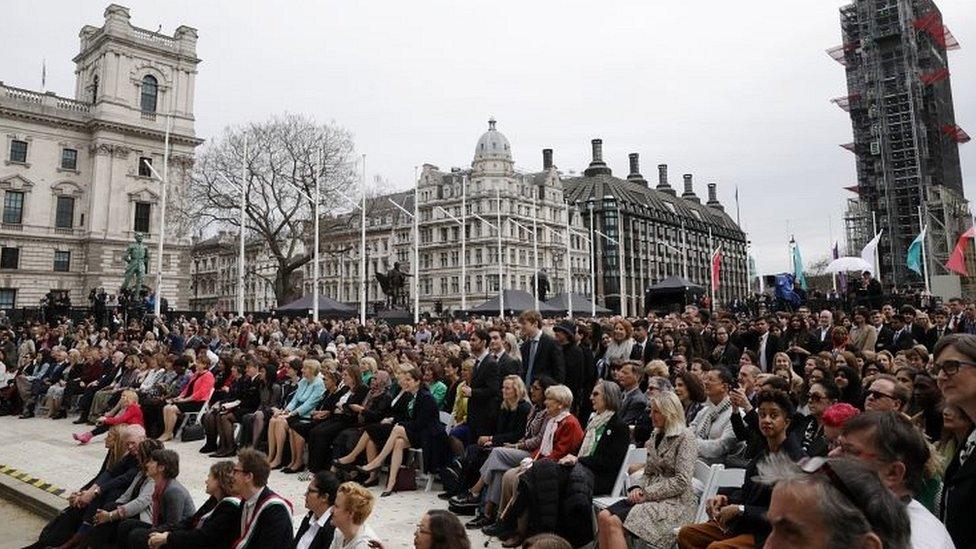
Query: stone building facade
[72, 170]
[215, 276]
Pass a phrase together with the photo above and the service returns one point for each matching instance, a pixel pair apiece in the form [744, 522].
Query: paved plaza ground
[44, 449]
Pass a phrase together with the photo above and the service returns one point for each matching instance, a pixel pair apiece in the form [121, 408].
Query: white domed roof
[492, 145]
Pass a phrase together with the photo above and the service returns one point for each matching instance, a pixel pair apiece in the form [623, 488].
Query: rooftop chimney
[662, 180]
[597, 165]
[713, 199]
[635, 174]
[546, 159]
[689, 193]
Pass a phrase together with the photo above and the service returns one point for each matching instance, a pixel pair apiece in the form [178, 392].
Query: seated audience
[171, 503]
[198, 389]
[265, 519]
[130, 414]
[713, 424]
[318, 529]
[343, 415]
[307, 396]
[135, 501]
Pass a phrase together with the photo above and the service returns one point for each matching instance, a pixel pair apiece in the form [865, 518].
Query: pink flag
[716, 267]
[957, 261]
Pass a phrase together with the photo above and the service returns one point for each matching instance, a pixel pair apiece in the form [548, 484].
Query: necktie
[639, 351]
[528, 372]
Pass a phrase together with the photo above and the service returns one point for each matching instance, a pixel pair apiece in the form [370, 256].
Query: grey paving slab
[44, 449]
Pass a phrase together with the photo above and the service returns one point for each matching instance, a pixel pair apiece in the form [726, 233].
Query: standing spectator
[572, 359]
[540, 353]
[893, 447]
[955, 360]
[634, 401]
[484, 391]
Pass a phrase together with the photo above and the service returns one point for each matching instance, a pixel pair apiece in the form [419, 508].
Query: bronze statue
[393, 284]
[136, 264]
[542, 291]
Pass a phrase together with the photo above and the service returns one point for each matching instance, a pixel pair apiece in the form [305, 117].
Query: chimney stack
[597, 165]
[662, 180]
[546, 159]
[713, 198]
[635, 174]
[689, 193]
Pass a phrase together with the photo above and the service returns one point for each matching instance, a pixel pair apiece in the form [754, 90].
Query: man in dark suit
[941, 328]
[820, 335]
[765, 344]
[902, 338]
[507, 364]
[885, 335]
[642, 349]
[317, 529]
[573, 359]
[634, 401]
[485, 389]
[265, 516]
[540, 353]
[908, 314]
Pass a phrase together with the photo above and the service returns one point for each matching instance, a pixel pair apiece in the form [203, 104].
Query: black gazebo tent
[671, 293]
[582, 306]
[516, 301]
[327, 307]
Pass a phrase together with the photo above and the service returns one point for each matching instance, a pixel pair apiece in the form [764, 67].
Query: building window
[62, 262]
[13, 207]
[18, 151]
[9, 258]
[65, 214]
[145, 164]
[141, 224]
[69, 159]
[150, 89]
[8, 298]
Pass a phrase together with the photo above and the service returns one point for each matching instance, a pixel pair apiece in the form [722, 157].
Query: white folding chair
[447, 418]
[705, 474]
[195, 415]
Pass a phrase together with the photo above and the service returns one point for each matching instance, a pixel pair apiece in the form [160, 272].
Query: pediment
[67, 188]
[143, 195]
[16, 182]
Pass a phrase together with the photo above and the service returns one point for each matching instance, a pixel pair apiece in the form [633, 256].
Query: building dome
[493, 145]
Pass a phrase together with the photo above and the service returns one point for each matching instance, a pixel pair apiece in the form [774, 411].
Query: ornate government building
[664, 234]
[73, 179]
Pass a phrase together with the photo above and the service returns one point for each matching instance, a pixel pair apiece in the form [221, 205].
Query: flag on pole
[867, 253]
[716, 267]
[44, 74]
[841, 277]
[798, 267]
[957, 260]
[914, 260]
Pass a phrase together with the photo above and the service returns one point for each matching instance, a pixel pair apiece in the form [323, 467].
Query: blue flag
[914, 260]
[799, 279]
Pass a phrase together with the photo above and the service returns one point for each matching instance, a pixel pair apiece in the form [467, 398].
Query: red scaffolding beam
[955, 133]
[845, 101]
[935, 76]
[837, 53]
[932, 24]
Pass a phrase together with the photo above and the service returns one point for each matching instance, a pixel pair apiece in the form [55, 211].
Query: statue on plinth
[393, 283]
[136, 264]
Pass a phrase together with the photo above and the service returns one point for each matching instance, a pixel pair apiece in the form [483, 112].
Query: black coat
[886, 337]
[486, 394]
[727, 355]
[322, 539]
[425, 430]
[273, 529]
[610, 452]
[511, 424]
[219, 531]
[573, 360]
[508, 366]
[959, 500]
[548, 359]
[641, 351]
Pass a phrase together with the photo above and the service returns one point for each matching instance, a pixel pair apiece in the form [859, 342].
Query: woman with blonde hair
[353, 505]
[307, 396]
[129, 414]
[663, 498]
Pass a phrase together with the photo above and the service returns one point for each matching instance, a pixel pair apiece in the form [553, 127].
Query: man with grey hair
[828, 503]
[821, 334]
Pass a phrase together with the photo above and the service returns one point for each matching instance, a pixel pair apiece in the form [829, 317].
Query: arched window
[150, 89]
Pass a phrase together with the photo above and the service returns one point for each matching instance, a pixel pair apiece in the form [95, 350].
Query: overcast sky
[736, 93]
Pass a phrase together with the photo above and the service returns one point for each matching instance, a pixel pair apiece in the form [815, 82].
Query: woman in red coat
[129, 414]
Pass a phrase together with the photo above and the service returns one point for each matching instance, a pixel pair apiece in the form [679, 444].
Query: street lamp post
[416, 251]
[501, 291]
[463, 259]
[620, 258]
[589, 204]
[535, 260]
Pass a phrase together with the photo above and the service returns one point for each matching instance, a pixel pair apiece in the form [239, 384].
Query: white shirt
[313, 530]
[927, 531]
[762, 351]
[361, 541]
[248, 508]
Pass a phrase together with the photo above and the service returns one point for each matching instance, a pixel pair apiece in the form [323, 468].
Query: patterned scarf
[549, 433]
[713, 412]
[594, 431]
[968, 448]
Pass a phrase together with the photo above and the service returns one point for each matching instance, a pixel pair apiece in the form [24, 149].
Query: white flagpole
[501, 262]
[569, 269]
[416, 248]
[362, 249]
[464, 239]
[711, 269]
[162, 211]
[925, 267]
[684, 251]
[593, 264]
[535, 247]
[874, 226]
[315, 240]
[240, 259]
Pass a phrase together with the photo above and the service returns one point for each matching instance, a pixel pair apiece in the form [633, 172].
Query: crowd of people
[853, 428]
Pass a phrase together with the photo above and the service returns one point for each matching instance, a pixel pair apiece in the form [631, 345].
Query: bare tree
[283, 153]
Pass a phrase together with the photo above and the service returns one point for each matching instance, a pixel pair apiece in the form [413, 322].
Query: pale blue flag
[914, 260]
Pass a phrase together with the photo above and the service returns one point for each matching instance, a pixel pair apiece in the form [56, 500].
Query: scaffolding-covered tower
[905, 136]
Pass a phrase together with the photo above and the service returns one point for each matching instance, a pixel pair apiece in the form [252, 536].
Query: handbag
[192, 432]
[406, 479]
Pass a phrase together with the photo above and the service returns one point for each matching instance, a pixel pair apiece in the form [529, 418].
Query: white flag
[867, 254]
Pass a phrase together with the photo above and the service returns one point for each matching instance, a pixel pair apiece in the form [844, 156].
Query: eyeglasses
[878, 394]
[814, 397]
[950, 367]
[821, 466]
